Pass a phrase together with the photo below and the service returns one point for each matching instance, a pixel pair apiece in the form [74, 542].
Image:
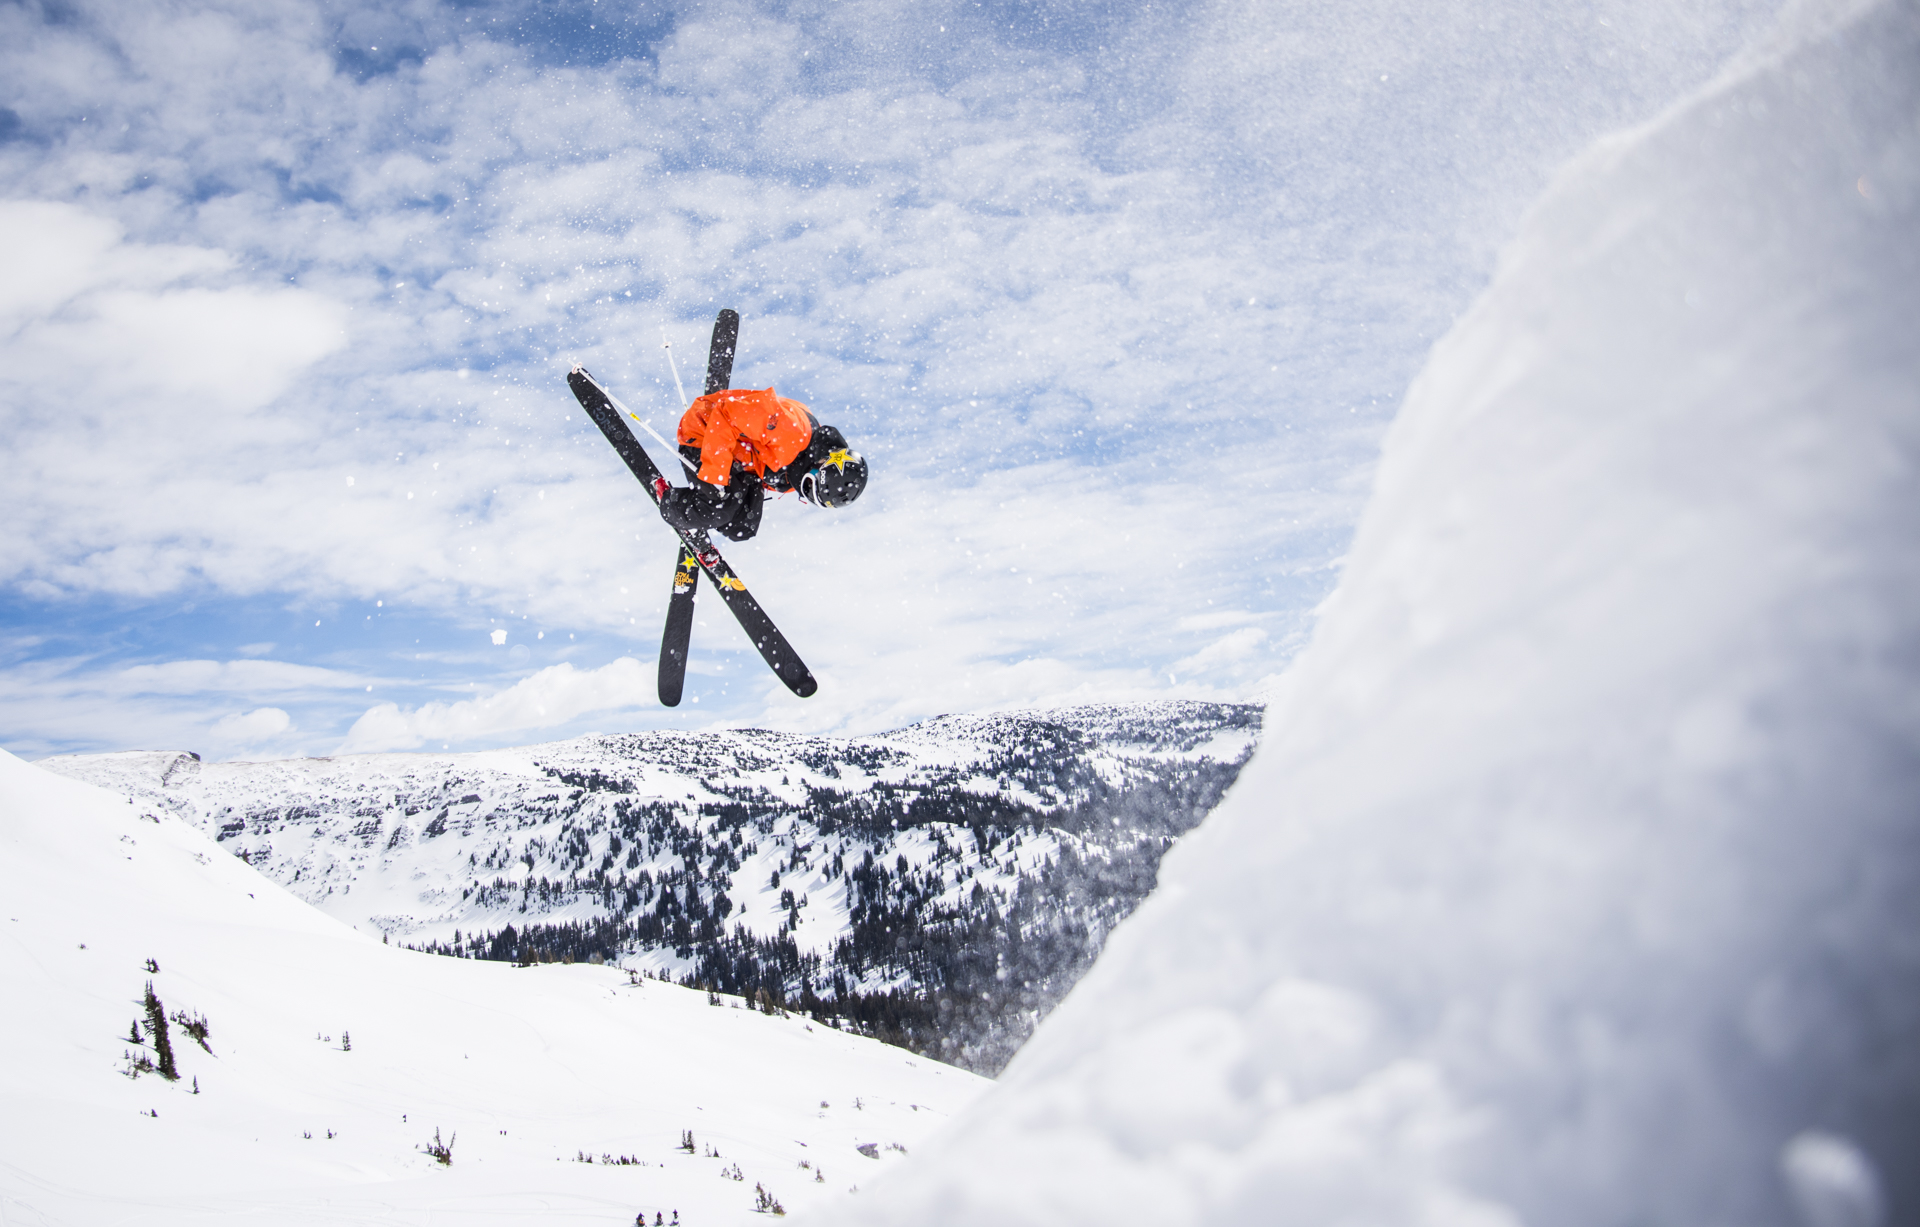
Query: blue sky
[1118, 299]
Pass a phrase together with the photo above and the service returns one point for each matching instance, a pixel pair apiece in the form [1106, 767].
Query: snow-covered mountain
[1577, 878]
[316, 1067]
[941, 886]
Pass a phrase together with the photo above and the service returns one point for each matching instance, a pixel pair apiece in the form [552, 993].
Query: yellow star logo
[728, 581]
[838, 459]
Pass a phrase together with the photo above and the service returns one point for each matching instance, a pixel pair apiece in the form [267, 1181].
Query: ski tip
[807, 687]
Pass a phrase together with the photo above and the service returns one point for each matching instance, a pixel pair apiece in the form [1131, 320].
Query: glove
[690, 507]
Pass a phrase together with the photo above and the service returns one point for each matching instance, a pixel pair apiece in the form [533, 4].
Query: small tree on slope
[162, 1045]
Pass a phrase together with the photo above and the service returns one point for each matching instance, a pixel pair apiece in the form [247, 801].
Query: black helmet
[838, 478]
[838, 473]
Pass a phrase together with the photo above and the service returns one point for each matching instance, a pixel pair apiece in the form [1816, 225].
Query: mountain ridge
[940, 885]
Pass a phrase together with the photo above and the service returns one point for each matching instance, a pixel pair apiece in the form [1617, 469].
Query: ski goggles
[809, 488]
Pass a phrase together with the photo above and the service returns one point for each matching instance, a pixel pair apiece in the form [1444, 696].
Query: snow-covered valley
[974, 864]
[331, 1062]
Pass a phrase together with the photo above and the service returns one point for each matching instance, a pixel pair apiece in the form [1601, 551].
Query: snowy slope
[527, 1068]
[746, 858]
[1577, 880]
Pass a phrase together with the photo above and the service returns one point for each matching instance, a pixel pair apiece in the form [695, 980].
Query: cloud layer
[292, 288]
[550, 697]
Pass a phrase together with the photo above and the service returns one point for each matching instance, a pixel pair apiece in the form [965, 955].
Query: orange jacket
[755, 428]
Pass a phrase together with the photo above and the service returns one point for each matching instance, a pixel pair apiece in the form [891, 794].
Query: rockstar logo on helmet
[838, 459]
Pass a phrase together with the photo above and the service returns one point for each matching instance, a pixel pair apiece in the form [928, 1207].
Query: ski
[726, 335]
[764, 635]
[676, 637]
[674, 640]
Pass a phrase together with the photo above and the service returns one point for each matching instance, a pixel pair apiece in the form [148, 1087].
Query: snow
[1832, 1182]
[391, 843]
[1576, 880]
[523, 1070]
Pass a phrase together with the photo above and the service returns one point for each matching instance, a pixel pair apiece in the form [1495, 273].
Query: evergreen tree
[162, 1045]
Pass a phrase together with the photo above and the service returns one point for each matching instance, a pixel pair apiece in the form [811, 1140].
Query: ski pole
[691, 466]
[621, 406]
[675, 368]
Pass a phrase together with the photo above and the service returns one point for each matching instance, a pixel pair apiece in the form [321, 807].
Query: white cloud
[227, 677]
[51, 253]
[239, 347]
[55, 705]
[121, 393]
[84, 304]
[1228, 649]
[252, 728]
[549, 698]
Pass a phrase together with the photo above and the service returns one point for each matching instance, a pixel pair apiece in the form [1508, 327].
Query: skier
[745, 442]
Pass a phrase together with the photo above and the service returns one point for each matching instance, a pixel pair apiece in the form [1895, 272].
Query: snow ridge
[1577, 879]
